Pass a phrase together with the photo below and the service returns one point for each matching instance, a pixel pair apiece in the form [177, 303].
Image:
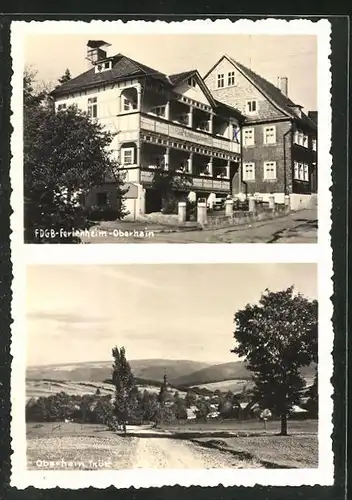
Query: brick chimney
[282, 84]
[95, 52]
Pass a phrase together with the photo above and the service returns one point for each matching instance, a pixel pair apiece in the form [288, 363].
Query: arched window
[129, 99]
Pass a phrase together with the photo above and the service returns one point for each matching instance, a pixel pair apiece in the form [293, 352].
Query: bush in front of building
[106, 213]
[191, 210]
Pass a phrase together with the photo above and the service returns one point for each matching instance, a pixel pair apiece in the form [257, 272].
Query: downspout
[240, 173]
[290, 131]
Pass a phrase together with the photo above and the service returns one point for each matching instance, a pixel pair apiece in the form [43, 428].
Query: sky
[293, 56]
[169, 311]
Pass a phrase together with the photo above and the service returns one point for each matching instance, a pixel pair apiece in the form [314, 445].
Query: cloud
[66, 318]
[129, 277]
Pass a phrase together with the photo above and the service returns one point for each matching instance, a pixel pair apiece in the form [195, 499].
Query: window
[248, 137]
[127, 156]
[231, 78]
[92, 107]
[251, 107]
[248, 172]
[296, 137]
[103, 66]
[191, 82]
[102, 199]
[128, 104]
[221, 80]
[158, 111]
[269, 170]
[301, 171]
[305, 172]
[61, 107]
[305, 141]
[314, 144]
[270, 135]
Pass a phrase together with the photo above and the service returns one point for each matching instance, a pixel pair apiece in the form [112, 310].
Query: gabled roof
[181, 77]
[270, 91]
[122, 67]
[178, 78]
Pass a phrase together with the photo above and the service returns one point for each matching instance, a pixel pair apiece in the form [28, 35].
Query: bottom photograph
[171, 366]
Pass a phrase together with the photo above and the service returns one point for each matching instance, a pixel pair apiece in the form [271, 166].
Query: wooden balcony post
[190, 163]
[228, 169]
[167, 110]
[166, 159]
[190, 117]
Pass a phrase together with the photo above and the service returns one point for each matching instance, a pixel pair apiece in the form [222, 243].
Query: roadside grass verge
[287, 452]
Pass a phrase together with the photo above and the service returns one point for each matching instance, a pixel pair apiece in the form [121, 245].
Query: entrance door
[153, 201]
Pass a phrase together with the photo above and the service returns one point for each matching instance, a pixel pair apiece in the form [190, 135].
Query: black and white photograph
[190, 365]
[162, 138]
[207, 375]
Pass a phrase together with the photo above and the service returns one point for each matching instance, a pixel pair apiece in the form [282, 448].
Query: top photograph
[170, 138]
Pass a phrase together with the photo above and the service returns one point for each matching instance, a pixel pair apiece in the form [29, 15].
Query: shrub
[191, 210]
[105, 213]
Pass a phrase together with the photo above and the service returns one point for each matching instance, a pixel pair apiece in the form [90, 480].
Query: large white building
[160, 121]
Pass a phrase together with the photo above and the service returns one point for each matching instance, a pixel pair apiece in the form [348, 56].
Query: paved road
[296, 227]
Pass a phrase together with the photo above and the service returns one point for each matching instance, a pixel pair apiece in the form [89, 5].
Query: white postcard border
[199, 253]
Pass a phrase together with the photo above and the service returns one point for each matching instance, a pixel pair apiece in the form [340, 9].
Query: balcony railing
[204, 183]
[188, 134]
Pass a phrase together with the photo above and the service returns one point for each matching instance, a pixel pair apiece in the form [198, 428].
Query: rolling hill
[97, 371]
[217, 373]
[148, 372]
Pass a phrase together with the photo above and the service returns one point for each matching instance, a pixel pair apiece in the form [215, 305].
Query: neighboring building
[191, 413]
[160, 121]
[279, 141]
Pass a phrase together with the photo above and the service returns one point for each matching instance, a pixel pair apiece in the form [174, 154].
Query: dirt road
[127, 452]
[161, 453]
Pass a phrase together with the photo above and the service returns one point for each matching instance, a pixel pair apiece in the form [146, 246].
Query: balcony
[198, 183]
[188, 134]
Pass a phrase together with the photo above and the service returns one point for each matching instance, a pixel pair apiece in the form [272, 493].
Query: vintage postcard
[221, 377]
[140, 366]
[171, 132]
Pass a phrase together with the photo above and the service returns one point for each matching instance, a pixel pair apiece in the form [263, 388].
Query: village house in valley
[279, 141]
[159, 121]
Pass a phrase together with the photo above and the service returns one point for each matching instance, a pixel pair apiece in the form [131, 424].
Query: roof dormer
[103, 66]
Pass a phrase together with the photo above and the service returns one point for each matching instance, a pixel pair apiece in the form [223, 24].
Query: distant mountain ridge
[97, 371]
[180, 373]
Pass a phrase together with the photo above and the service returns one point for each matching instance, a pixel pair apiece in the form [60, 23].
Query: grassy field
[273, 427]
[298, 451]
[71, 446]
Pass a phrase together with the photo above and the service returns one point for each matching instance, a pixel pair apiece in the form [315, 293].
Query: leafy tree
[66, 154]
[66, 77]
[190, 399]
[203, 409]
[179, 409]
[122, 378]
[277, 337]
[149, 406]
[103, 411]
[312, 393]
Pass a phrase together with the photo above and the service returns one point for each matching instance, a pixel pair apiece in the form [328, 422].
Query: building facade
[169, 122]
[279, 141]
